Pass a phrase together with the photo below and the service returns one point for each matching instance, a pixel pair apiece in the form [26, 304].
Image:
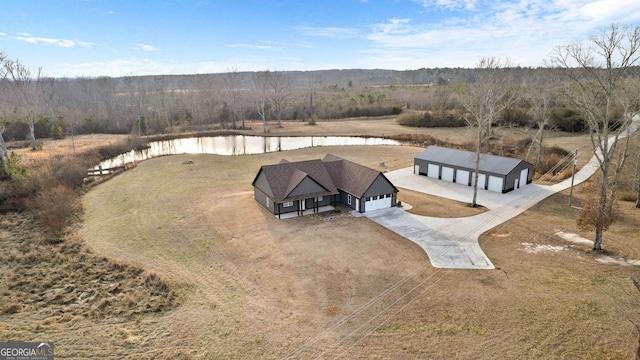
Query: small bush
[55, 207]
[427, 120]
[14, 165]
[56, 132]
[337, 209]
[399, 203]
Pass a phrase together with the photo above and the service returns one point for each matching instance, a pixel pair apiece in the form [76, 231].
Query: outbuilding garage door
[462, 177]
[524, 175]
[447, 174]
[433, 171]
[495, 184]
[378, 204]
[482, 181]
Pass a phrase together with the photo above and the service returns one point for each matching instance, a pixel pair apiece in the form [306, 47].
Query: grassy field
[246, 285]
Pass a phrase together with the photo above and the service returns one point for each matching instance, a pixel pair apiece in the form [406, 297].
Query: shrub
[55, 207]
[427, 120]
[56, 132]
[567, 120]
[14, 165]
[337, 209]
[399, 203]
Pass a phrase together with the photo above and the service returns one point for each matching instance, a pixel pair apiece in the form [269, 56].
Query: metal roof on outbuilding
[467, 160]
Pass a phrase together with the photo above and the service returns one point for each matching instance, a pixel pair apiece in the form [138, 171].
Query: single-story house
[306, 186]
[495, 173]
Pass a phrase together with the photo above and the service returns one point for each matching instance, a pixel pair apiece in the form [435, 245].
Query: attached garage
[495, 173]
[381, 202]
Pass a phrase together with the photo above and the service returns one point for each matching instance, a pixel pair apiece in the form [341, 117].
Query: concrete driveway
[453, 242]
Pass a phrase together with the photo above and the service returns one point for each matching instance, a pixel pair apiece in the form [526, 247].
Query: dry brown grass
[434, 206]
[67, 293]
[309, 274]
[251, 286]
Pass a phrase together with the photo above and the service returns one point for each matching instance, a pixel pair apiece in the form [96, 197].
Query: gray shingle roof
[349, 176]
[467, 160]
[331, 173]
[285, 176]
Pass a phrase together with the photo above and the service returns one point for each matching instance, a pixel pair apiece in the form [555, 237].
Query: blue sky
[144, 37]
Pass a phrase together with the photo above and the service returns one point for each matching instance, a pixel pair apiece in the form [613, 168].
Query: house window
[267, 202]
[287, 203]
[349, 199]
[319, 198]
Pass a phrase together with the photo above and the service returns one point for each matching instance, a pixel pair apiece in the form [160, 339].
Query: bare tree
[26, 93]
[261, 89]
[539, 94]
[231, 86]
[4, 156]
[483, 100]
[599, 90]
[441, 95]
[280, 86]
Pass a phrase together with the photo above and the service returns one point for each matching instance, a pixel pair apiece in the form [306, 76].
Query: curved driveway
[453, 242]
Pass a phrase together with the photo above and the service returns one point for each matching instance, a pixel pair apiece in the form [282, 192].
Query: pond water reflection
[236, 145]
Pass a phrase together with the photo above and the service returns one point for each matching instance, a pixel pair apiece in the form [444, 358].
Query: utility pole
[573, 176]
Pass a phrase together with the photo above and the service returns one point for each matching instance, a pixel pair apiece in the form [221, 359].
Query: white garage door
[447, 173]
[482, 180]
[462, 177]
[495, 184]
[524, 174]
[433, 171]
[377, 204]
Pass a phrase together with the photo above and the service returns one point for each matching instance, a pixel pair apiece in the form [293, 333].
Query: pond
[234, 145]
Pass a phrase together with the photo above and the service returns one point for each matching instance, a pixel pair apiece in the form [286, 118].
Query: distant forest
[58, 107]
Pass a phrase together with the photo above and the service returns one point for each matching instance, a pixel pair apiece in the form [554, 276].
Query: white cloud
[252, 46]
[328, 32]
[66, 43]
[146, 47]
[526, 31]
[449, 4]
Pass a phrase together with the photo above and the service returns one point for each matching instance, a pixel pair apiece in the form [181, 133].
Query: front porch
[306, 212]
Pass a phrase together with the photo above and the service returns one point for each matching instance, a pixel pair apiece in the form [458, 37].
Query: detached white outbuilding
[496, 173]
